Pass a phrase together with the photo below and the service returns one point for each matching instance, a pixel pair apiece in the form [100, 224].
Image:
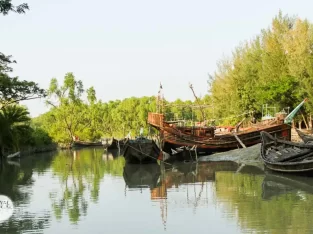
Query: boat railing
[155, 119]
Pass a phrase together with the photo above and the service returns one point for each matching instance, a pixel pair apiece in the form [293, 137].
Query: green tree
[14, 124]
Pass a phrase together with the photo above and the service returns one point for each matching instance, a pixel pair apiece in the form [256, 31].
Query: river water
[91, 191]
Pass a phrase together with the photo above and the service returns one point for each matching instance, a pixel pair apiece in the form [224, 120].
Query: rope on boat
[149, 155]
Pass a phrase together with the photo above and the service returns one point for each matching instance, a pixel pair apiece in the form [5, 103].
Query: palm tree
[14, 124]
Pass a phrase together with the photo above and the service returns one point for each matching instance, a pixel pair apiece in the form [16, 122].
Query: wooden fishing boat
[117, 144]
[206, 141]
[286, 156]
[209, 139]
[304, 137]
[81, 144]
[141, 150]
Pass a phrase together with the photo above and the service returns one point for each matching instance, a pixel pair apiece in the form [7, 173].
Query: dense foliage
[71, 115]
[275, 68]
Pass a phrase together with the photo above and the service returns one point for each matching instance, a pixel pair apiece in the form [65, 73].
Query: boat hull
[225, 142]
[141, 151]
[286, 156]
[82, 144]
[116, 144]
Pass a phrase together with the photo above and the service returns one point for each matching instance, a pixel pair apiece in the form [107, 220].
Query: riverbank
[39, 149]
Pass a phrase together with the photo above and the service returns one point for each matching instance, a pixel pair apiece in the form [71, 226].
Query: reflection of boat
[114, 153]
[14, 163]
[286, 156]
[141, 176]
[141, 150]
[305, 137]
[277, 184]
[15, 155]
[81, 144]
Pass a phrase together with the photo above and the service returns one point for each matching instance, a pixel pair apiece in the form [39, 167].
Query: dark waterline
[91, 191]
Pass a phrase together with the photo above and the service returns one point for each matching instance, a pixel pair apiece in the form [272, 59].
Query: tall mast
[197, 99]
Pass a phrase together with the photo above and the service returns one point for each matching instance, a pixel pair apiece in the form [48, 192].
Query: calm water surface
[91, 191]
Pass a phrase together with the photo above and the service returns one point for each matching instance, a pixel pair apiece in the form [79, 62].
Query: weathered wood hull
[286, 156]
[225, 142]
[141, 151]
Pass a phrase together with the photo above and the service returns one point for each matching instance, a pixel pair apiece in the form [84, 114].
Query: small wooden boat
[286, 156]
[15, 155]
[141, 150]
[305, 137]
[81, 144]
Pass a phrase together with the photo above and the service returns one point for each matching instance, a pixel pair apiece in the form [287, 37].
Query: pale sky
[126, 48]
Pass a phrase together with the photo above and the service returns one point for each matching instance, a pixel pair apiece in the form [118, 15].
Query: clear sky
[126, 48]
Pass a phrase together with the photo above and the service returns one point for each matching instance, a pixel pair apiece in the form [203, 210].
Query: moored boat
[81, 144]
[208, 139]
[286, 156]
[141, 150]
[117, 144]
[304, 137]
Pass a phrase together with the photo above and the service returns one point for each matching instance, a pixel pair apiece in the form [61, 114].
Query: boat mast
[160, 100]
[197, 99]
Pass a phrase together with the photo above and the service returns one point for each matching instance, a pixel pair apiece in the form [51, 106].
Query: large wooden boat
[209, 139]
[286, 156]
[206, 140]
[141, 150]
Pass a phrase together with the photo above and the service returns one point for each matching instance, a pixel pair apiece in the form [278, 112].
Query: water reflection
[89, 189]
[142, 176]
[275, 185]
[285, 210]
[16, 180]
[80, 173]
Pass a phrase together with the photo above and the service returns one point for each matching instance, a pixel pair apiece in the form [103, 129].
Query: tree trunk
[310, 121]
[305, 122]
[300, 125]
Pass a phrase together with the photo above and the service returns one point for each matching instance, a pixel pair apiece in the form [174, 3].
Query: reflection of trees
[13, 181]
[286, 213]
[80, 171]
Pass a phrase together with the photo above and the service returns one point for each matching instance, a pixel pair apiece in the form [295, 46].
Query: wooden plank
[241, 143]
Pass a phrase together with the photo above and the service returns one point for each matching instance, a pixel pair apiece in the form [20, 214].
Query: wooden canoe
[286, 156]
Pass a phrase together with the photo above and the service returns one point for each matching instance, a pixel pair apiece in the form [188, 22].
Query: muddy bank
[247, 156]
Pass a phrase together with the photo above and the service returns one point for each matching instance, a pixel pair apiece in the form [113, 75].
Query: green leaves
[275, 68]
[6, 6]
